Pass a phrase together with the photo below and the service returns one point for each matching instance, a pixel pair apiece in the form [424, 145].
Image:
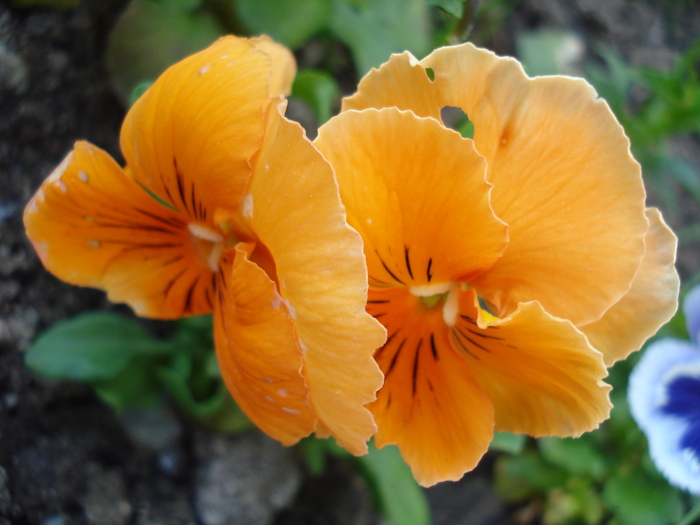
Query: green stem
[693, 514]
[466, 23]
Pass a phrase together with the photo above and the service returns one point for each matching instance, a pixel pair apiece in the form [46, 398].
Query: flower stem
[693, 514]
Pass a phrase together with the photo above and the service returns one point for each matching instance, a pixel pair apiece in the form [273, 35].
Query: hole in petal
[430, 73]
[457, 120]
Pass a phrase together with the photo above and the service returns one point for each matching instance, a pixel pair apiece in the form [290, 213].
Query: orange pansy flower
[509, 270]
[225, 206]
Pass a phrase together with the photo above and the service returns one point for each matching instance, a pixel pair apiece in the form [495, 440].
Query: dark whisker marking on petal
[388, 270]
[378, 301]
[202, 211]
[190, 291]
[393, 361]
[222, 276]
[466, 318]
[166, 290]
[471, 340]
[380, 314]
[207, 296]
[388, 400]
[433, 348]
[379, 352]
[193, 199]
[408, 261]
[459, 342]
[213, 280]
[430, 264]
[416, 358]
[132, 226]
[173, 260]
[377, 283]
[181, 190]
[486, 336]
[167, 220]
[167, 192]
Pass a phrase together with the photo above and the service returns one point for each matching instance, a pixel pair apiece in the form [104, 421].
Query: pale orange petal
[293, 208]
[190, 137]
[430, 405]
[650, 303]
[401, 83]
[92, 225]
[258, 351]
[416, 193]
[284, 67]
[564, 181]
[540, 372]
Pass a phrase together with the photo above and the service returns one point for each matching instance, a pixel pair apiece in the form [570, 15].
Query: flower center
[209, 242]
[433, 294]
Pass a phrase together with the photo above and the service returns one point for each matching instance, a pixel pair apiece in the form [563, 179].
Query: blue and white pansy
[664, 397]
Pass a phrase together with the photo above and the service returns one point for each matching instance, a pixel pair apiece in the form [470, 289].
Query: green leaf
[518, 477]
[375, 29]
[313, 450]
[135, 386]
[637, 499]
[152, 35]
[400, 498]
[288, 21]
[575, 455]
[507, 442]
[454, 7]
[579, 503]
[216, 410]
[549, 52]
[319, 90]
[90, 347]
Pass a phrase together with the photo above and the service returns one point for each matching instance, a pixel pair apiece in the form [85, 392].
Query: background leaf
[375, 29]
[400, 498]
[290, 22]
[92, 346]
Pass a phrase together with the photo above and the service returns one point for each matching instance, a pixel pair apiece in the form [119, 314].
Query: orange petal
[430, 405]
[650, 303]
[541, 374]
[564, 182]
[294, 209]
[416, 193]
[190, 137]
[284, 67]
[257, 349]
[401, 83]
[92, 225]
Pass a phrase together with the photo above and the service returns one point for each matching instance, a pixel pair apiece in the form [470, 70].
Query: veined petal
[258, 350]
[402, 83]
[189, 139]
[416, 193]
[284, 67]
[564, 181]
[92, 225]
[430, 404]
[540, 372]
[650, 303]
[294, 209]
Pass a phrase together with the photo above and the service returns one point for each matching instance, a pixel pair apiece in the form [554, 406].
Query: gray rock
[243, 480]
[13, 71]
[154, 428]
[4, 492]
[105, 502]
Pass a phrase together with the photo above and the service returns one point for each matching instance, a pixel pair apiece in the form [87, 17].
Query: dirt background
[65, 458]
